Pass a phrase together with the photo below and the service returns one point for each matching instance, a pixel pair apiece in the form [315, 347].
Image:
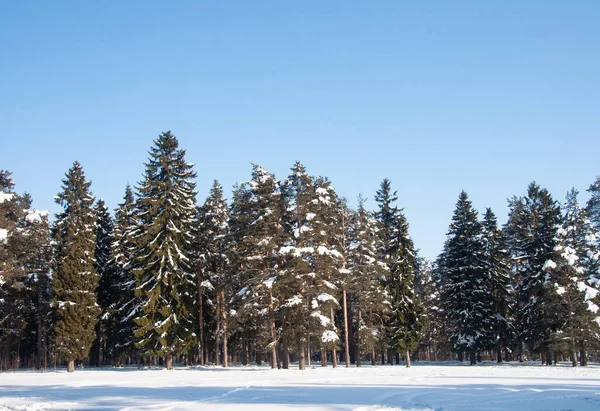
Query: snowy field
[422, 387]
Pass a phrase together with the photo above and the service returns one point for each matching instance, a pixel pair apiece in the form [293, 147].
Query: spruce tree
[534, 222]
[466, 292]
[573, 273]
[407, 321]
[75, 279]
[497, 261]
[372, 305]
[127, 304]
[213, 244]
[593, 204]
[163, 257]
[108, 290]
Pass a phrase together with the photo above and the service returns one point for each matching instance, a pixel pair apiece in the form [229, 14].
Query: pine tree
[407, 321]
[534, 221]
[573, 273]
[466, 292]
[371, 300]
[497, 261]
[593, 204]
[214, 238]
[163, 264]
[122, 253]
[75, 279]
[108, 291]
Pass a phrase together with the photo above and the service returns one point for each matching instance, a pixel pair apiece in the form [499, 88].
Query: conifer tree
[534, 222]
[593, 204]
[573, 273]
[108, 290]
[214, 238]
[497, 261]
[258, 250]
[466, 292]
[122, 254]
[371, 299]
[163, 257]
[75, 279]
[407, 321]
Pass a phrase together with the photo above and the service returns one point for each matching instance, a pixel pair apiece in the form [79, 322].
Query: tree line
[287, 272]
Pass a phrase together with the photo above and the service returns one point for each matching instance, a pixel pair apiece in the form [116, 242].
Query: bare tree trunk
[358, 347]
[244, 348]
[323, 357]
[224, 327]
[302, 352]
[218, 330]
[408, 359]
[169, 362]
[308, 350]
[200, 321]
[39, 328]
[285, 354]
[473, 357]
[373, 357]
[346, 344]
[71, 366]
[273, 333]
[333, 351]
[582, 354]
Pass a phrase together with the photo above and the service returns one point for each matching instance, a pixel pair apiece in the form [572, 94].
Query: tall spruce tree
[573, 273]
[407, 320]
[75, 279]
[213, 244]
[466, 292]
[371, 301]
[534, 221]
[108, 291]
[126, 302]
[497, 261]
[163, 257]
[593, 204]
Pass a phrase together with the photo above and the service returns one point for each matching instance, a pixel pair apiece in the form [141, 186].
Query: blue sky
[437, 96]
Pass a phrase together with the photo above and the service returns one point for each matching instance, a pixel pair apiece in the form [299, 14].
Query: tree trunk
[408, 359]
[169, 362]
[373, 357]
[71, 366]
[224, 327]
[200, 322]
[273, 333]
[499, 353]
[573, 355]
[323, 357]
[473, 357]
[582, 354]
[285, 355]
[308, 351]
[302, 352]
[218, 330]
[346, 345]
[358, 347]
[333, 351]
[39, 328]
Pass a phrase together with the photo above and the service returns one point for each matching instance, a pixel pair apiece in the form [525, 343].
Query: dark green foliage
[75, 279]
[466, 287]
[163, 256]
[126, 303]
[497, 261]
[407, 320]
[593, 204]
[533, 223]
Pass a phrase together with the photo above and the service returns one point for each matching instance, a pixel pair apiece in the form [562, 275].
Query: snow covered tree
[163, 265]
[593, 204]
[466, 292]
[573, 272]
[108, 290]
[75, 279]
[497, 262]
[214, 238]
[125, 301]
[259, 240]
[371, 300]
[428, 290]
[533, 224]
[407, 320]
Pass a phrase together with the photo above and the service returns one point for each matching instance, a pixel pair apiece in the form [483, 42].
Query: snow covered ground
[423, 387]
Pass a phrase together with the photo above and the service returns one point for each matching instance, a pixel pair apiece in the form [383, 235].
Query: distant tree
[75, 278]
[593, 204]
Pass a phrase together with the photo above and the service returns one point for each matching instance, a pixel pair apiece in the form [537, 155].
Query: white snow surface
[423, 387]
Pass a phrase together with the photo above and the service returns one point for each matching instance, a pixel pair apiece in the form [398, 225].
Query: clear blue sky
[439, 96]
